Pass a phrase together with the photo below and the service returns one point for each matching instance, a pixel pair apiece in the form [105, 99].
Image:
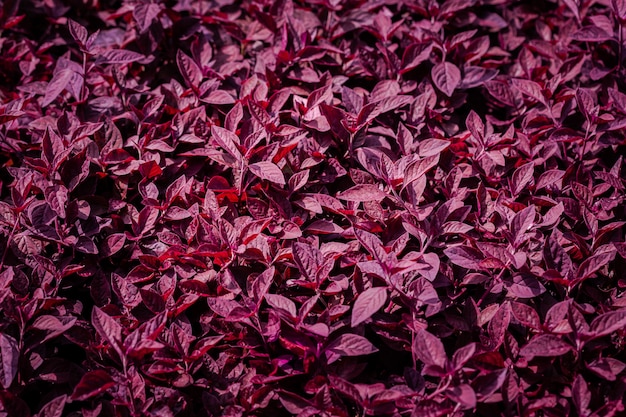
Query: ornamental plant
[312, 208]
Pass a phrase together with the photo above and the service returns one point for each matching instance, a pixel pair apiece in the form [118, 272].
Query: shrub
[333, 208]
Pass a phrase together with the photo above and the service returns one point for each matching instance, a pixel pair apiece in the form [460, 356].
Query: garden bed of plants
[312, 208]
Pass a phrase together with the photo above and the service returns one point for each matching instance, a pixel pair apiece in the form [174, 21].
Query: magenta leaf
[232, 208]
[463, 395]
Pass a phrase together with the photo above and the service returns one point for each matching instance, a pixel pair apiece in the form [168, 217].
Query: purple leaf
[464, 256]
[78, 31]
[591, 34]
[280, 302]
[119, 56]
[581, 396]
[107, 328]
[363, 192]
[549, 177]
[462, 356]
[373, 110]
[349, 344]
[268, 171]
[10, 354]
[53, 408]
[57, 84]
[430, 147]
[463, 395]
[446, 77]
[308, 259]
[144, 14]
[529, 88]
[189, 69]
[476, 126]
[592, 264]
[498, 325]
[227, 140]
[92, 384]
[545, 345]
[368, 303]
[429, 349]
[608, 323]
[522, 177]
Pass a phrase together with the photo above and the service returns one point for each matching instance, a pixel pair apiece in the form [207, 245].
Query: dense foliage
[313, 208]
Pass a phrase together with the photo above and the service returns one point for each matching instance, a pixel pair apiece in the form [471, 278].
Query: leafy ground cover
[320, 208]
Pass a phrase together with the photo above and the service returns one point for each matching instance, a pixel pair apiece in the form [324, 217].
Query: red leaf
[92, 384]
[368, 303]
